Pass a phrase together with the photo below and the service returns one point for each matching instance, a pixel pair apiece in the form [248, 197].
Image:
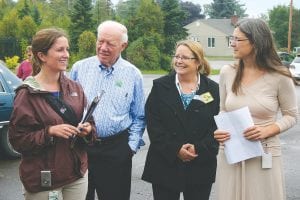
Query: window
[211, 42]
[195, 38]
[1, 87]
[228, 42]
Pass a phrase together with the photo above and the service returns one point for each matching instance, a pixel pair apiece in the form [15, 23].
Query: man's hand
[187, 153]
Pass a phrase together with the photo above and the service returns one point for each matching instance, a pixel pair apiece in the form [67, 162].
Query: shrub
[12, 62]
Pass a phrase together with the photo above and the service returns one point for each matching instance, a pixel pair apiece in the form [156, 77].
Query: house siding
[200, 32]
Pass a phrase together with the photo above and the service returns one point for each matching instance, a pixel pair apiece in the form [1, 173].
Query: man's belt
[112, 138]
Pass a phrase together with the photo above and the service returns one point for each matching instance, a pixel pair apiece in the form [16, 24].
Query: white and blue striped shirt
[122, 105]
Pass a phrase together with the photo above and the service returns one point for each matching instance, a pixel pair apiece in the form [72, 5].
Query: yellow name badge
[205, 97]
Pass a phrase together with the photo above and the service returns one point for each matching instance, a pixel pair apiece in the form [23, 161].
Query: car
[285, 58]
[295, 69]
[296, 51]
[8, 83]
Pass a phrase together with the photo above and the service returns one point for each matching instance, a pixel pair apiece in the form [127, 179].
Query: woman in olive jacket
[180, 122]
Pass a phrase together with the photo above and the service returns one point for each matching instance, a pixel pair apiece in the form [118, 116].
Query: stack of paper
[238, 148]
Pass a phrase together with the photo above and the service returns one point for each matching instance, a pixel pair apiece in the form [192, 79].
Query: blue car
[8, 83]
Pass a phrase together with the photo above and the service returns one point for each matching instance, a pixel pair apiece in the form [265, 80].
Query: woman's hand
[63, 130]
[255, 133]
[187, 153]
[221, 136]
[84, 129]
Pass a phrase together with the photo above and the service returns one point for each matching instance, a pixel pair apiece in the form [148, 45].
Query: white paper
[238, 148]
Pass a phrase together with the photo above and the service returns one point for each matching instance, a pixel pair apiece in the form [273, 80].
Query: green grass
[160, 71]
[215, 71]
[211, 58]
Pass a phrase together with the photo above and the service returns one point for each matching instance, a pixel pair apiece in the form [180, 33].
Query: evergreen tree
[25, 11]
[174, 22]
[81, 20]
[126, 12]
[225, 9]
[102, 11]
[57, 12]
[27, 28]
[36, 16]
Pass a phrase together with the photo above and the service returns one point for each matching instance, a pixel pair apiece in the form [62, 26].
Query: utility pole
[290, 27]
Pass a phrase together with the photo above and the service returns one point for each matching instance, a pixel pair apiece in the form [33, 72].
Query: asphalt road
[11, 188]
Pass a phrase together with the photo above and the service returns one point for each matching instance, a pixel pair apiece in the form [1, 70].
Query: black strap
[63, 109]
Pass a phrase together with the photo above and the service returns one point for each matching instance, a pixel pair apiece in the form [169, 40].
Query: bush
[144, 56]
[12, 62]
[86, 44]
[74, 57]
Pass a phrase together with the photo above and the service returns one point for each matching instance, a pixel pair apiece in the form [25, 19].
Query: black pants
[192, 192]
[110, 164]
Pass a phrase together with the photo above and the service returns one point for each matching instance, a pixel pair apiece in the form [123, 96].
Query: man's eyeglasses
[236, 39]
[184, 58]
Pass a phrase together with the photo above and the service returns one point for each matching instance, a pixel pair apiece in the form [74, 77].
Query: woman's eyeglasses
[236, 39]
[183, 58]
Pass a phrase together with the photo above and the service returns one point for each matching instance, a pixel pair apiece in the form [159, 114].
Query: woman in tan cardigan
[260, 82]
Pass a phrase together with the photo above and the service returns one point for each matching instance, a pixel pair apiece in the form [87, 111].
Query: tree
[8, 25]
[144, 53]
[146, 33]
[279, 23]
[126, 12]
[81, 20]
[174, 22]
[56, 12]
[25, 11]
[193, 11]
[224, 9]
[36, 16]
[148, 19]
[4, 6]
[86, 44]
[26, 28]
[102, 11]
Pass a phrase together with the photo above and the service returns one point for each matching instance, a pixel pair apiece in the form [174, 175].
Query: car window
[10, 78]
[1, 87]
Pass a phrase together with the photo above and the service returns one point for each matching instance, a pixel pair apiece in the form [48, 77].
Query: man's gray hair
[121, 27]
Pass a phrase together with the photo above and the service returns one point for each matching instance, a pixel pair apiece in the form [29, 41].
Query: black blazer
[169, 126]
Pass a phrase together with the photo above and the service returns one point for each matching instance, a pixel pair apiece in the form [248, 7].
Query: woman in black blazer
[180, 121]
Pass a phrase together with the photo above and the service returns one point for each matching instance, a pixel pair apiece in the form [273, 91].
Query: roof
[223, 25]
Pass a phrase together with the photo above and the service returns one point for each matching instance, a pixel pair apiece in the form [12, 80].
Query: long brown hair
[266, 58]
[42, 42]
[204, 67]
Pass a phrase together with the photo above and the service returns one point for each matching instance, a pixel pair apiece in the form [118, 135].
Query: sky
[254, 7]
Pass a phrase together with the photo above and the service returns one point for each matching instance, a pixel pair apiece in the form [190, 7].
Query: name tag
[205, 97]
[266, 161]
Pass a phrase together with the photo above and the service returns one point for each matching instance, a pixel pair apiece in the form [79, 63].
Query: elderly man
[119, 117]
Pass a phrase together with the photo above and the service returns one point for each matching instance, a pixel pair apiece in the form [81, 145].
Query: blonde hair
[28, 48]
[204, 67]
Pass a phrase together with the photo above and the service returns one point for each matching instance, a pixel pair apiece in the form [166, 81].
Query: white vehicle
[295, 69]
[296, 51]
